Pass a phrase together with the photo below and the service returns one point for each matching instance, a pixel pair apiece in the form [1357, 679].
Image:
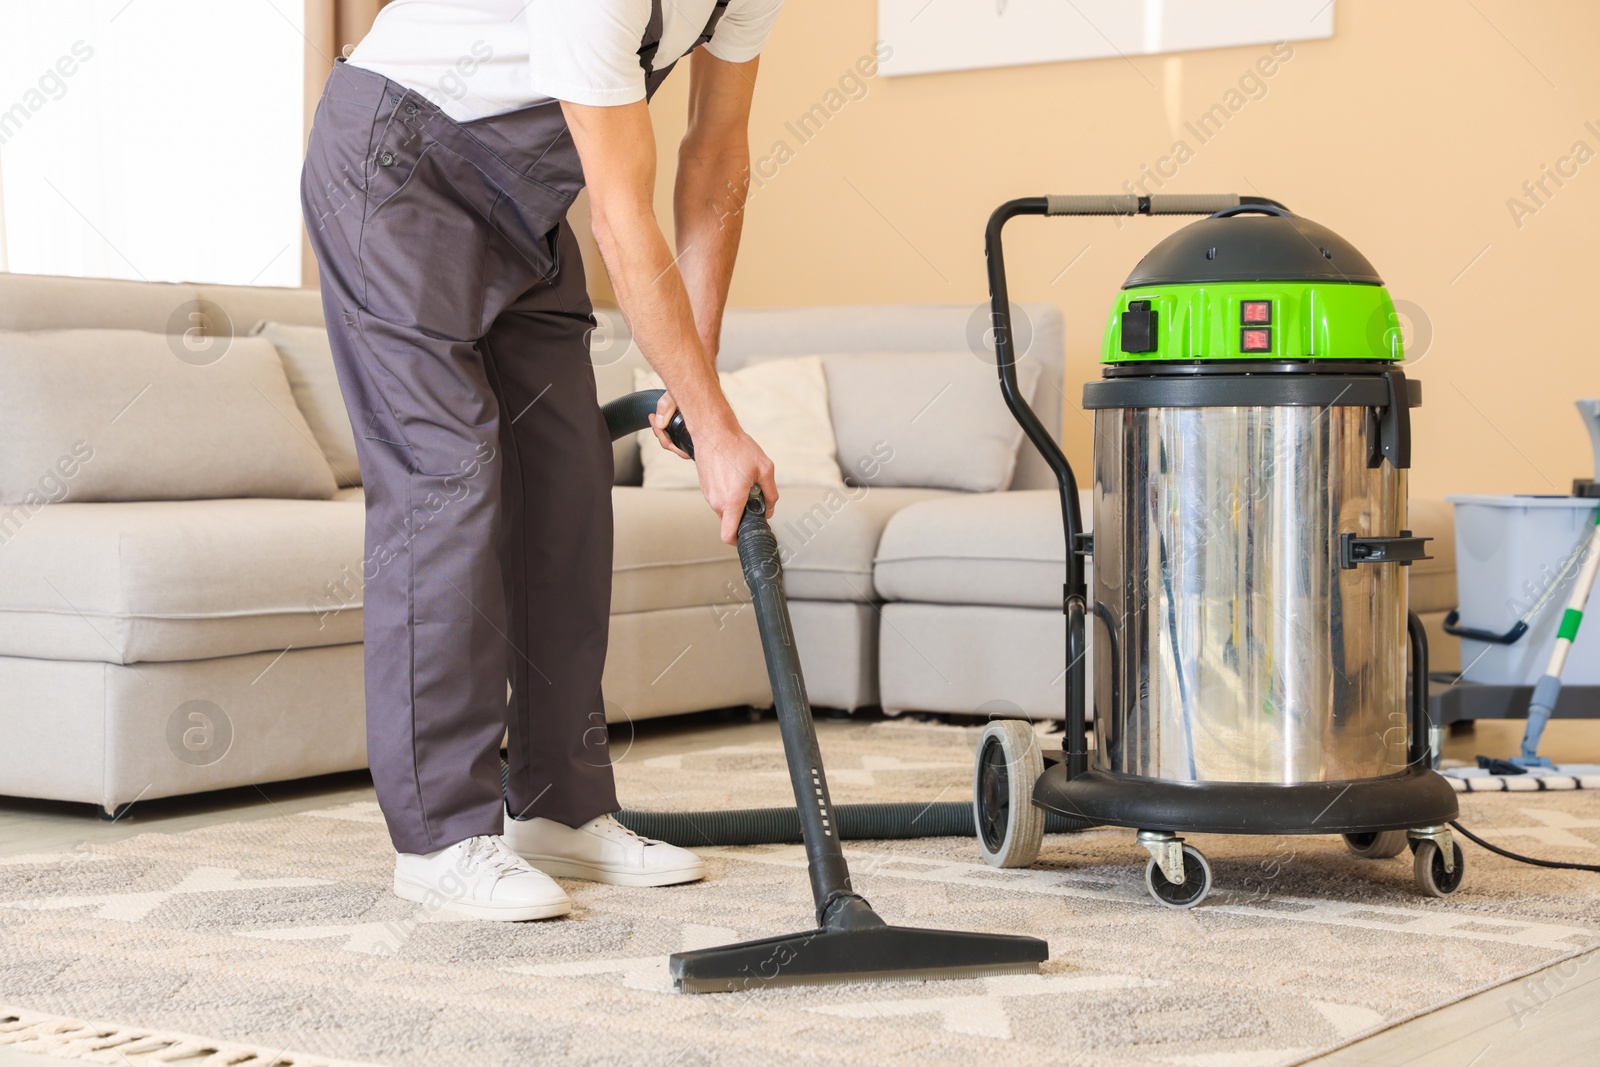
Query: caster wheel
[1010, 827]
[1196, 881]
[1377, 846]
[1432, 878]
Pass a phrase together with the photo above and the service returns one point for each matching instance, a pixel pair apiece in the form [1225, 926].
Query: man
[443, 158]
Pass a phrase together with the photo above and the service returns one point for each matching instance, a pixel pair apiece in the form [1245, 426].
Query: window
[152, 139]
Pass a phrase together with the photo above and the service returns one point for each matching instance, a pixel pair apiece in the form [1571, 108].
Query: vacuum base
[854, 955]
[1417, 797]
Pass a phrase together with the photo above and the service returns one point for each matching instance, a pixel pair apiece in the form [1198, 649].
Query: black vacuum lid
[1234, 246]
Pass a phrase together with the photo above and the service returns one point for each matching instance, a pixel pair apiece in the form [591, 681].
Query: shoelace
[492, 854]
[609, 824]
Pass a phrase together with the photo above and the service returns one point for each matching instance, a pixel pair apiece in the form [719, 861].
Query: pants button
[411, 109]
[386, 159]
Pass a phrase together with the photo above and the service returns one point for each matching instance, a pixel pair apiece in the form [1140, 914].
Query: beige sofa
[152, 644]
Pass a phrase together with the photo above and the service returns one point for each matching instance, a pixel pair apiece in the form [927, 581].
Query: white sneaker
[601, 850]
[479, 878]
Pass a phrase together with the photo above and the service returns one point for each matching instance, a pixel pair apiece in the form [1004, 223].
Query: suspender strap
[652, 39]
[653, 30]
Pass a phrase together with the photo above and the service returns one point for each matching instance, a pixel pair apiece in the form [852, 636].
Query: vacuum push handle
[1155, 204]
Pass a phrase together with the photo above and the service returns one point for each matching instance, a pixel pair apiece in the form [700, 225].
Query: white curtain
[152, 139]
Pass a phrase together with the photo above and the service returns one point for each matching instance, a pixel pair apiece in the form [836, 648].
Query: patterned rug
[278, 940]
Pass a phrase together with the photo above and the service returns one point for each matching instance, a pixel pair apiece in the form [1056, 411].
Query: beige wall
[1407, 133]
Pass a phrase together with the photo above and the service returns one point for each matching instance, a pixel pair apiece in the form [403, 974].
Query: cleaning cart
[1251, 633]
[1519, 561]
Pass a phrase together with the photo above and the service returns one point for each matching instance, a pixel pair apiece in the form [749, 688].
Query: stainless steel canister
[1230, 643]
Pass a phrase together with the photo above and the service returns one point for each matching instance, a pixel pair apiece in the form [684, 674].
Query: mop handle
[1547, 690]
[1572, 618]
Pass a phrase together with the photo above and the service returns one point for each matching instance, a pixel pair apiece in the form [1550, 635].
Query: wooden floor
[1547, 1020]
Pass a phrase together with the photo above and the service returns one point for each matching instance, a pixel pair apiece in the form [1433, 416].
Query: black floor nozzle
[853, 945]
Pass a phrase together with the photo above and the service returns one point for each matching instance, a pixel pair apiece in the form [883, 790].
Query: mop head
[1561, 776]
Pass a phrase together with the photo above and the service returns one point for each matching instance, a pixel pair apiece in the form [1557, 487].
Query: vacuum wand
[763, 573]
[851, 942]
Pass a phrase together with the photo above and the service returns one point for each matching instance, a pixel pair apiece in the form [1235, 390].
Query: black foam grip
[631, 413]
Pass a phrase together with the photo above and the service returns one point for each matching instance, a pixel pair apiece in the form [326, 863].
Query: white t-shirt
[476, 58]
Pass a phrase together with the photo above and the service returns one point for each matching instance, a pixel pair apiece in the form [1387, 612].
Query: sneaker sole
[591, 872]
[421, 894]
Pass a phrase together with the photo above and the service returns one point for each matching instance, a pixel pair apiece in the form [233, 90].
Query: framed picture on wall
[928, 36]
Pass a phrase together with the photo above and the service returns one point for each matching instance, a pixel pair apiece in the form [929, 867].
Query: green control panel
[1253, 320]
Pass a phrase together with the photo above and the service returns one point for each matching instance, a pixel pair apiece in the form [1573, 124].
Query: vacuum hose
[759, 826]
[854, 822]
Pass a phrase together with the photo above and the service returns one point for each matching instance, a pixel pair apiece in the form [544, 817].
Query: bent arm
[617, 148]
[712, 186]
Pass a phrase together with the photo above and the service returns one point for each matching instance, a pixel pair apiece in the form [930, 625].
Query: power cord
[1497, 850]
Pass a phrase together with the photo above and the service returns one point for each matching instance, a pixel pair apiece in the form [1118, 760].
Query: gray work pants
[457, 311]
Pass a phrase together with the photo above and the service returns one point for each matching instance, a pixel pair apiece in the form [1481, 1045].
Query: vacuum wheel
[1010, 827]
[1196, 881]
[1377, 845]
[1428, 866]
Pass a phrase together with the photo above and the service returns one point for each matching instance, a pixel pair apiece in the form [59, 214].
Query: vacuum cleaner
[850, 942]
[1252, 440]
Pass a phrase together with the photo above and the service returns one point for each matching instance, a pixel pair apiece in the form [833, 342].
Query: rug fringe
[137, 1046]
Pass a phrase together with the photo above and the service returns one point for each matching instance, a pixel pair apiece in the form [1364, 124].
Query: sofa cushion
[828, 537]
[668, 554]
[91, 415]
[176, 580]
[308, 364]
[783, 404]
[930, 419]
[1003, 549]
